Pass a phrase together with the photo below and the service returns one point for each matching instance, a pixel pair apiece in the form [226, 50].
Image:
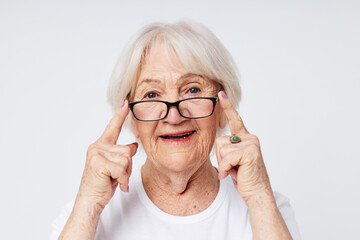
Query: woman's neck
[181, 193]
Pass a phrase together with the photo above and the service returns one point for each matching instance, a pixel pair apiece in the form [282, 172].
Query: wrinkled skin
[176, 174]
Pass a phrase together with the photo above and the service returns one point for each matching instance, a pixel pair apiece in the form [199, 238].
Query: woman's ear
[222, 120]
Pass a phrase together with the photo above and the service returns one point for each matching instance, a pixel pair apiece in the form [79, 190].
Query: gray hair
[199, 50]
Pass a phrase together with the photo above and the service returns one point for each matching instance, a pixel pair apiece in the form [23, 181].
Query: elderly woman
[181, 86]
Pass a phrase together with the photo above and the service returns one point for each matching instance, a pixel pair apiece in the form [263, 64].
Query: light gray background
[299, 62]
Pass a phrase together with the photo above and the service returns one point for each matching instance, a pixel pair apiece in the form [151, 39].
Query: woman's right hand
[108, 164]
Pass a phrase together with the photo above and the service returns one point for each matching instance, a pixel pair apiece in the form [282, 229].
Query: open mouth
[178, 136]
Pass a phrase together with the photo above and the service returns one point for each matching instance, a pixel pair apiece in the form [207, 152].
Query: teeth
[179, 136]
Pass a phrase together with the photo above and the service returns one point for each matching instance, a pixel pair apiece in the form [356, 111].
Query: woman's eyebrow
[149, 80]
[189, 75]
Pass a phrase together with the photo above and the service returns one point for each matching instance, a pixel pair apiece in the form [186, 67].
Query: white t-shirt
[133, 216]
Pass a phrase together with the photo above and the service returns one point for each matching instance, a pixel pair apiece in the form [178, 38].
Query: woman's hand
[108, 164]
[243, 160]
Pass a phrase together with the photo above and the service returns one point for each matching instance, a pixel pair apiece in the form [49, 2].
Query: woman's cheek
[206, 141]
[147, 137]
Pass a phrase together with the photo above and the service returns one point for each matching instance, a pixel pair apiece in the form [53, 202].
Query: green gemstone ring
[235, 139]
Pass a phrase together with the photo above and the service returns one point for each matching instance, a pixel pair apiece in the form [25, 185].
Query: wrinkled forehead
[174, 80]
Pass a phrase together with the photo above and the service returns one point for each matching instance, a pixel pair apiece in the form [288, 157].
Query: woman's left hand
[243, 160]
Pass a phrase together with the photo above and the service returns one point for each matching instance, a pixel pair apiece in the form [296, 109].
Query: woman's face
[160, 80]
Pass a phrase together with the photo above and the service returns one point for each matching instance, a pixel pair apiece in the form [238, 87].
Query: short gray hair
[199, 50]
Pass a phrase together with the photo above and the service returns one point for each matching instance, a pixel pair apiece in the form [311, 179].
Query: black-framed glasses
[155, 110]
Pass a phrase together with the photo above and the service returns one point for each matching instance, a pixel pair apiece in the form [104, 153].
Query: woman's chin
[178, 162]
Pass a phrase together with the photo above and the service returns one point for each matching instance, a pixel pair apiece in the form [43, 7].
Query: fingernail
[234, 181]
[127, 190]
[122, 104]
[223, 94]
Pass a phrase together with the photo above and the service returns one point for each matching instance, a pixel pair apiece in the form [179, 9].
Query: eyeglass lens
[192, 108]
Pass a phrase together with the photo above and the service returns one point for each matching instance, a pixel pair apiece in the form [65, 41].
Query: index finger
[236, 124]
[112, 130]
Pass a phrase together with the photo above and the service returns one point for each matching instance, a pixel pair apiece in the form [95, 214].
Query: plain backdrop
[300, 72]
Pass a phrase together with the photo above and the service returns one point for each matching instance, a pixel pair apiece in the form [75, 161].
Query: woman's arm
[244, 163]
[82, 222]
[107, 166]
[266, 219]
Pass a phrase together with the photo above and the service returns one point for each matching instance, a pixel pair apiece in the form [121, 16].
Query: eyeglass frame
[175, 104]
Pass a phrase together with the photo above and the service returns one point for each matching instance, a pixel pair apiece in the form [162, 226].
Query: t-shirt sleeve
[288, 214]
[59, 223]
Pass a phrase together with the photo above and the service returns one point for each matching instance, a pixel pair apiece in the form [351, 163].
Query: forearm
[82, 222]
[266, 219]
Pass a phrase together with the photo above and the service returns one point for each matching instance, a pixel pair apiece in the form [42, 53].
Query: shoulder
[288, 214]
[238, 207]
[281, 199]
[59, 222]
[282, 202]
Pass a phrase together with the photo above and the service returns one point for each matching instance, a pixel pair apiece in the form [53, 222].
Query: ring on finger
[235, 139]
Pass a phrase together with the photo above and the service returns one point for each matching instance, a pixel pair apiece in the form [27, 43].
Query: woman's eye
[194, 90]
[151, 95]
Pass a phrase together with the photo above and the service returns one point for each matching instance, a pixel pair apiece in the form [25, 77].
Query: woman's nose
[174, 116]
